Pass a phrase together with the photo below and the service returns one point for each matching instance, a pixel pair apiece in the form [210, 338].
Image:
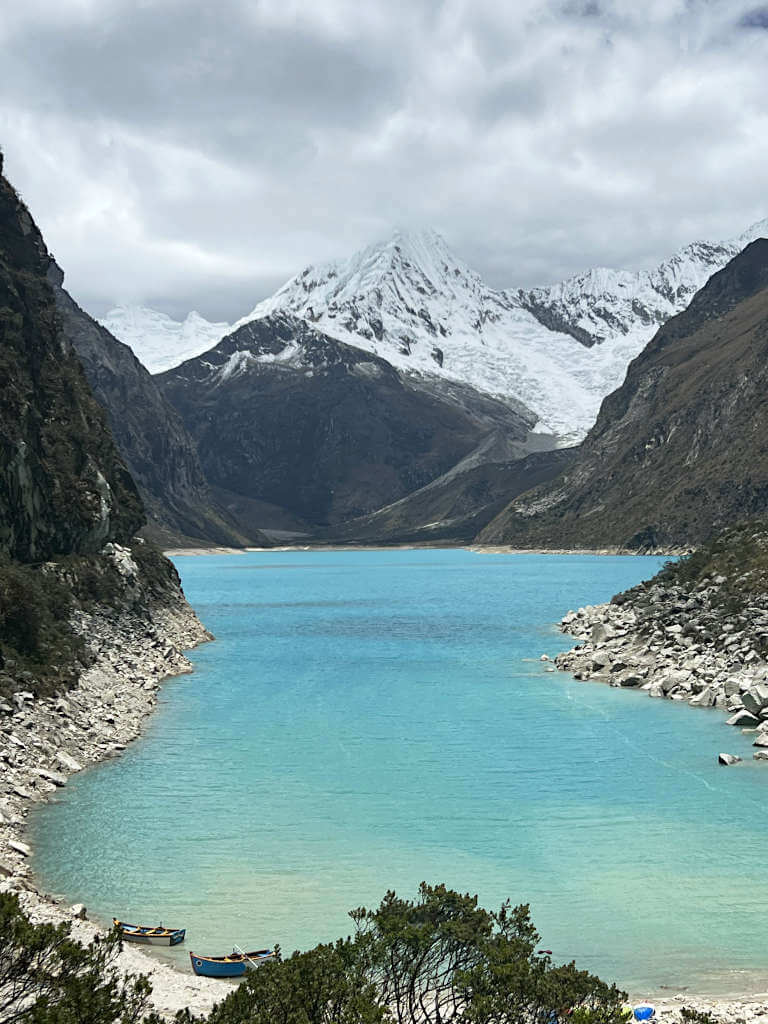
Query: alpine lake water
[369, 719]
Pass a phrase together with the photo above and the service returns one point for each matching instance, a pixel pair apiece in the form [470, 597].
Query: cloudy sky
[195, 154]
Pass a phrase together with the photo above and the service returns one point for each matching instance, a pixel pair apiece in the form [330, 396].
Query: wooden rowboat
[150, 936]
[232, 966]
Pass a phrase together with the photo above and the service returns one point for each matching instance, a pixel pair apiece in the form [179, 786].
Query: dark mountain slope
[681, 448]
[455, 506]
[158, 451]
[63, 486]
[285, 415]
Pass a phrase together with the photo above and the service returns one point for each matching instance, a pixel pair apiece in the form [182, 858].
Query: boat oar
[243, 953]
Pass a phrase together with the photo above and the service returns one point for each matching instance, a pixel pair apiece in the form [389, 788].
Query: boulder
[601, 632]
[21, 848]
[629, 678]
[727, 759]
[755, 698]
[79, 911]
[54, 777]
[760, 755]
[743, 719]
[705, 699]
[761, 741]
[68, 762]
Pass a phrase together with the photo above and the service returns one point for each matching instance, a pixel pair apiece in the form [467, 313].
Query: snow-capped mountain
[602, 304]
[558, 350]
[159, 341]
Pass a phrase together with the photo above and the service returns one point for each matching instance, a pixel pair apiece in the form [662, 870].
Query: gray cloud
[194, 155]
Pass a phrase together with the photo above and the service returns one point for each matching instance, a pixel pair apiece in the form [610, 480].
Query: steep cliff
[149, 434]
[74, 579]
[680, 449]
[63, 486]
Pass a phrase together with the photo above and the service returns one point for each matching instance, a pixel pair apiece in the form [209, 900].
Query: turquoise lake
[369, 719]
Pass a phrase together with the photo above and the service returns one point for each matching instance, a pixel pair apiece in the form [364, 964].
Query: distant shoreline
[480, 549]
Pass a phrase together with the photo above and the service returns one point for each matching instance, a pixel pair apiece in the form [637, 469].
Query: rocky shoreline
[43, 742]
[681, 644]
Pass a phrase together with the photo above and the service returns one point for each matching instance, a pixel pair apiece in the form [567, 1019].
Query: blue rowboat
[150, 936]
[232, 966]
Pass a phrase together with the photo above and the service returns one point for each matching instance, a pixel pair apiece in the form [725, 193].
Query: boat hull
[150, 936]
[228, 966]
[151, 940]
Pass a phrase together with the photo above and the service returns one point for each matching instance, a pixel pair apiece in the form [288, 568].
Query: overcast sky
[196, 153]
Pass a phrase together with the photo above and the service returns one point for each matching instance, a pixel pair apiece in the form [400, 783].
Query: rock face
[63, 487]
[697, 632]
[69, 510]
[455, 506]
[149, 434]
[287, 416]
[679, 450]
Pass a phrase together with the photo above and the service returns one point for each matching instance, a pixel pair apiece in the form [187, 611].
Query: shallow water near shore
[369, 719]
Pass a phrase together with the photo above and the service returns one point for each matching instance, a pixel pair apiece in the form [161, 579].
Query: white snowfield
[558, 350]
[157, 340]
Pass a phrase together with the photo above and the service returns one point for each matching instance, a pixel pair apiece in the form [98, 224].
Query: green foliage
[327, 985]
[435, 960]
[48, 978]
[36, 639]
[693, 1016]
[740, 554]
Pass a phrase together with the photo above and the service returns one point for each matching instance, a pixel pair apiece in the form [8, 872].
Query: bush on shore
[46, 977]
[39, 650]
[440, 959]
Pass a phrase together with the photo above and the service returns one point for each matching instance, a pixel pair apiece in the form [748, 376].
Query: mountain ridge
[679, 449]
[558, 350]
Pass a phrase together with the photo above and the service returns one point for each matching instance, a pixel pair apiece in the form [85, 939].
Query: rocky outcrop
[678, 450]
[697, 632]
[132, 646]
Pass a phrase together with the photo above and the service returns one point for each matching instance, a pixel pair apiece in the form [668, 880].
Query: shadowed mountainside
[681, 448]
[285, 415]
[63, 487]
[157, 449]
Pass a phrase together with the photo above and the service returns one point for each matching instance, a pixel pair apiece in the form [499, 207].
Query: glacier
[558, 350]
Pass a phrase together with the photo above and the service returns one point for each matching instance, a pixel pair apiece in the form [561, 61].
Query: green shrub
[46, 977]
[38, 647]
[440, 959]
